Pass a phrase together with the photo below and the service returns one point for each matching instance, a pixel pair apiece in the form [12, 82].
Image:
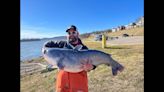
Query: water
[31, 49]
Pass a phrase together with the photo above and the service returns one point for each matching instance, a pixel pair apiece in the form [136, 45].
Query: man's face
[72, 36]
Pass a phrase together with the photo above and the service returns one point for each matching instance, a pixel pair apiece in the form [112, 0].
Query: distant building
[140, 21]
[127, 27]
[114, 29]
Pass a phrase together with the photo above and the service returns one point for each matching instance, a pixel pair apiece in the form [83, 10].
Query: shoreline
[32, 66]
[33, 60]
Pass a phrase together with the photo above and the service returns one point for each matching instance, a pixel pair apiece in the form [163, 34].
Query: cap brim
[69, 29]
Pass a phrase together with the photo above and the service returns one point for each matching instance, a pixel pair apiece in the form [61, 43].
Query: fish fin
[60, 64]
[116, 69]
[78, 47]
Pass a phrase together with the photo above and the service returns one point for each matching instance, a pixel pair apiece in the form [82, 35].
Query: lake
[32, 49]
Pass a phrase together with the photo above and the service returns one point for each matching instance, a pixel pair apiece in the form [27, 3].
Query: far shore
[34, 60]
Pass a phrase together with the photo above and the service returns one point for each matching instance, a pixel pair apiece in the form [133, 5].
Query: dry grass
[139, 31]
[100, 79]
[130, 80]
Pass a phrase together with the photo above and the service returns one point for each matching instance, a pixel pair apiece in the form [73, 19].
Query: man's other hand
[87, 67]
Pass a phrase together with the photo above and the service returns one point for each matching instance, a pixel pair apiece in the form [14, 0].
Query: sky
[50, 18]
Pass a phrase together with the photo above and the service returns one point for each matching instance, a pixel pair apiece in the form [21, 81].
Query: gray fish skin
[72, 60]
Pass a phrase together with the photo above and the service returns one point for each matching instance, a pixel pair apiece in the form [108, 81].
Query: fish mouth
[44, 51]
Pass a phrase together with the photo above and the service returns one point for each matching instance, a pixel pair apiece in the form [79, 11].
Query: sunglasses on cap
[74, 32]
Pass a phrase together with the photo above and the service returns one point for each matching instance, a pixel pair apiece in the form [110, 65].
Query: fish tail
[116, 69]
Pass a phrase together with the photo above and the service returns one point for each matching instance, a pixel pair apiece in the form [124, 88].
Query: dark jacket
[62, 44]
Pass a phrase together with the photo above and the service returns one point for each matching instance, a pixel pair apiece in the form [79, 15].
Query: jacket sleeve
[84, 47]
[55, 44]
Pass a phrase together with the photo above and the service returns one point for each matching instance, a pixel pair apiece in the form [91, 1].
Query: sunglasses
[72, 33]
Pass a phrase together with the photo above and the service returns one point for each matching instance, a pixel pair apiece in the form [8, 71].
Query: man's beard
[73, 39]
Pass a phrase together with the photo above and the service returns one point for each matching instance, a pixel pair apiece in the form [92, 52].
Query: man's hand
[87, 66]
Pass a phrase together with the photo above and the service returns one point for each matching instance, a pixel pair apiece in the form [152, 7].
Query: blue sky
[50, 18]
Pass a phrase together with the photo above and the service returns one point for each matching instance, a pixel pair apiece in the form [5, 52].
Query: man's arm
[85, 47]
[55, 44]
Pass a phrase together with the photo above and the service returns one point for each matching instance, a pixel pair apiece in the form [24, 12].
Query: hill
[138, 31]
[25, 40]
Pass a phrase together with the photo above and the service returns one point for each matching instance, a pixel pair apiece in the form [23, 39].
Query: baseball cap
[71, 27]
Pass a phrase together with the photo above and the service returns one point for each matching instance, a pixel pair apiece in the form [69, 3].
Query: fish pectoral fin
[60, 65]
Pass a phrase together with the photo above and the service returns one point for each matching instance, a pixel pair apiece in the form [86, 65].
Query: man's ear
[78, 33]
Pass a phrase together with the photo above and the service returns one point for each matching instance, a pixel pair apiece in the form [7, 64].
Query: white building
[140, 21]
[114, 29]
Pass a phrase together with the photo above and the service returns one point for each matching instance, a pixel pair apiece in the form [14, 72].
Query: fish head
[51, 55]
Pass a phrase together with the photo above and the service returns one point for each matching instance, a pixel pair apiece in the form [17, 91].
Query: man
[66, 81]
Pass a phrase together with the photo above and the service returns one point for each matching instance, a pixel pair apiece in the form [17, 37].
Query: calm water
[31, 49]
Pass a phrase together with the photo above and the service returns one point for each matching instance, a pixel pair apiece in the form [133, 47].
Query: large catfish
[72, 60]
